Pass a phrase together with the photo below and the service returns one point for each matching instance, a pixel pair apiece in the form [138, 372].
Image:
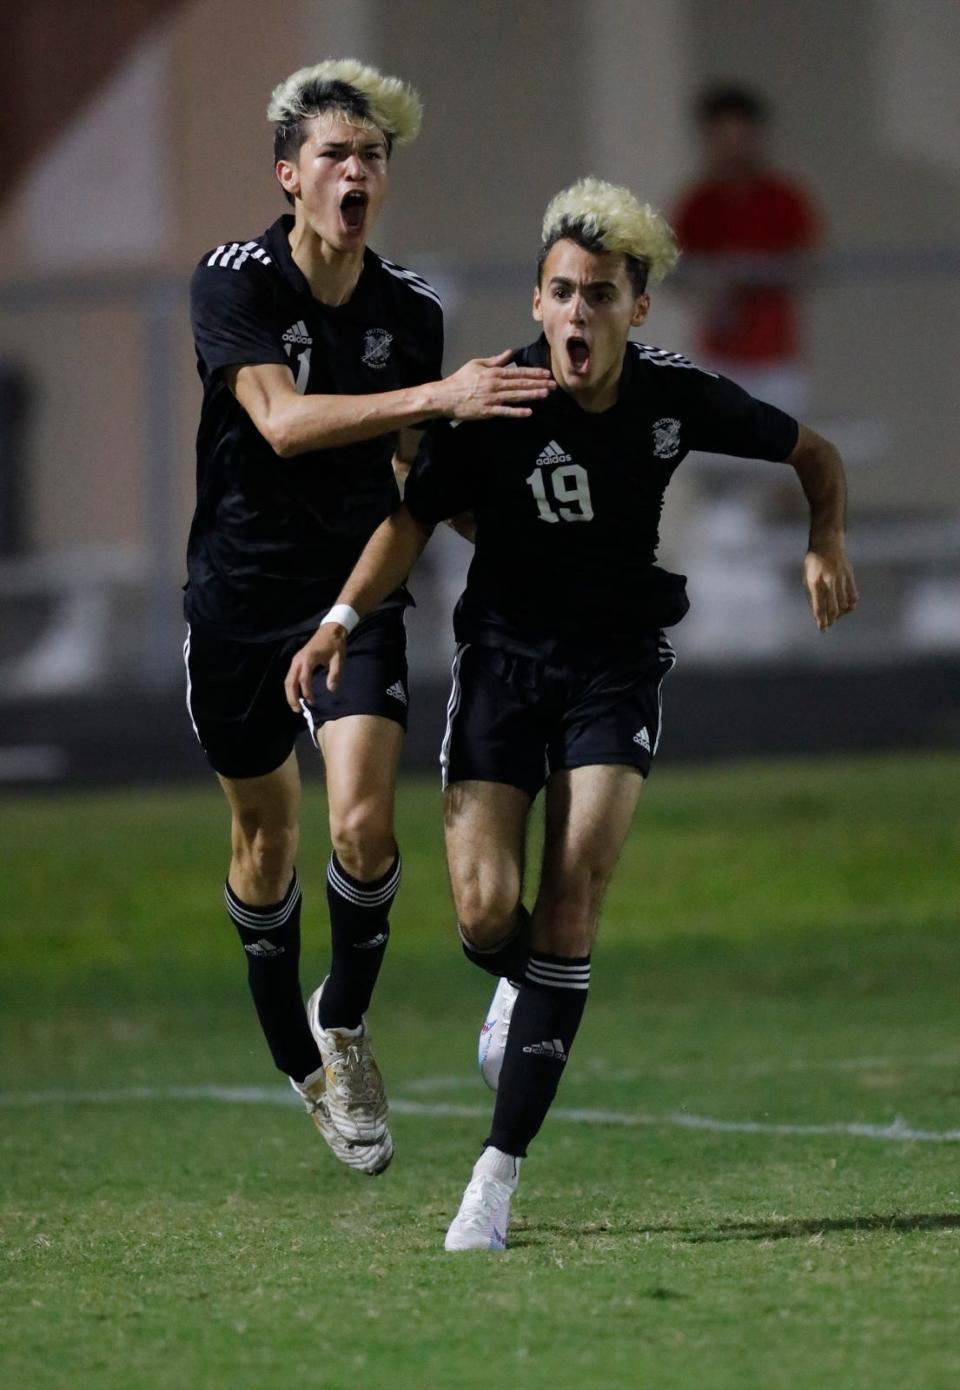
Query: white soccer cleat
[493, 1034]
[365, 1158]
[355, 1097]
[484, 1215]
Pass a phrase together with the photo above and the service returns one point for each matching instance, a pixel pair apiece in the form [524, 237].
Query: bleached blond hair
[347, 84]
[603, 216]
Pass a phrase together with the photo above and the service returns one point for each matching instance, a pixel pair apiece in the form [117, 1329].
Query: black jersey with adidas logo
[568, 503]
[273, 539]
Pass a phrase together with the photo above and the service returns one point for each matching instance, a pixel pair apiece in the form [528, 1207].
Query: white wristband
[343, 614]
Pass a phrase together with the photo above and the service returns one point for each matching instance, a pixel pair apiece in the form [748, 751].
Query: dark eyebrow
[348, 145]
[590, 285]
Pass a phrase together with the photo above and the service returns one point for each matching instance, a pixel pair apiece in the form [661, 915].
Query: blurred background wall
[135, 139]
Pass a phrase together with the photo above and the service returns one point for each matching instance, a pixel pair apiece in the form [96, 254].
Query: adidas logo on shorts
[551, 1048]
[643, 738]
[398, 692]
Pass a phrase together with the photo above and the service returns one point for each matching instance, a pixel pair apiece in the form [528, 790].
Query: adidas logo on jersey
[398, 692]
[550, 1048]
[263, 947]
[553, 454]
[643, 738]
[297, 333]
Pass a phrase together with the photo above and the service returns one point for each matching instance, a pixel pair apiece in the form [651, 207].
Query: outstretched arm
[827, 572]
[387, 559]
[483, 389]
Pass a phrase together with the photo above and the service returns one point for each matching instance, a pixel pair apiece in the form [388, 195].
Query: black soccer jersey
[568, 503]
[273, 539]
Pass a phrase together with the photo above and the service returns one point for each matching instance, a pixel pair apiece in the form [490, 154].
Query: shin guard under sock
[546, 1016]
[271, 940]
[359, 931]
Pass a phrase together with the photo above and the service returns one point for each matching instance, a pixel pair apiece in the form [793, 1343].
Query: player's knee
[362, 839]
[266, 853]
[486, 915]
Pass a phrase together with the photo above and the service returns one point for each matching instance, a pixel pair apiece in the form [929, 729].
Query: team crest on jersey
[376, 347]
[666, 438]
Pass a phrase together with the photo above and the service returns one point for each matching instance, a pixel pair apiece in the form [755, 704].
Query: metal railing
[925, 548]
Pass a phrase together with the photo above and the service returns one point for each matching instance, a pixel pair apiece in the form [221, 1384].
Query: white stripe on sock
[256, 920]
[363, 897]
[557, 975]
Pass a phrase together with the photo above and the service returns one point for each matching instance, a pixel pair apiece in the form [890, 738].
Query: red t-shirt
[767, 215]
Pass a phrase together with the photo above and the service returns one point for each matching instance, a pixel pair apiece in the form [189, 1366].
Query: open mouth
[578, 355]
[353, 209]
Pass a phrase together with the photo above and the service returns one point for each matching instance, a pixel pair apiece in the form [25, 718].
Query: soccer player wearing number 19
[318, 360]
[562, 651]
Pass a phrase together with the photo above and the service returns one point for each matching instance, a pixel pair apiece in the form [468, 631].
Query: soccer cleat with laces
[493, 1034]
[365, 1158]
[355, 1097]
[484, 1215]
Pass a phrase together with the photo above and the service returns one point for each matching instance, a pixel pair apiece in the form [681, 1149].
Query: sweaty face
[587, 305]
[339, 180]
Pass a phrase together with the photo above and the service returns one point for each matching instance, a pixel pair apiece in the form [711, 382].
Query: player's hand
[493, 386]
[830, 585]
[327, 647]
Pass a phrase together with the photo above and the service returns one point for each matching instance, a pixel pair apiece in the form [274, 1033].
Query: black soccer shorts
[238, 708]
[515, 719]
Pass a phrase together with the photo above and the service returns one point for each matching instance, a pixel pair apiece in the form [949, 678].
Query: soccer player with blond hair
[319, 360]
[562, 652]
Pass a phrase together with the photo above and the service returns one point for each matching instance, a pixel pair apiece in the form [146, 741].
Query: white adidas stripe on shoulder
[660, 357]
[406, 274]
[416, 282]
[232, 254]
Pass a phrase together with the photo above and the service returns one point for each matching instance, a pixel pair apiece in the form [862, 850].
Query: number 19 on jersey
[567, 498]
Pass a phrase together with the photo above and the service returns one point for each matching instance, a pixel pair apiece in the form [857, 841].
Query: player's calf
[359, 933]
[545, 1020]
[270, 936]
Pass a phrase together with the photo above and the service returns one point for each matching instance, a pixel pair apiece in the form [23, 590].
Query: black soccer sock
[359, 931]
[546, 1016]
[509, 959]
[271, 939]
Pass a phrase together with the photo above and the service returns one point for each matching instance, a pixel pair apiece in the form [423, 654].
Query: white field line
[775, 1066]
[897, 1132]
[428, 1085]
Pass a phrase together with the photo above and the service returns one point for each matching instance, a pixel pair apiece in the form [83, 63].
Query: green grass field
[778, 964]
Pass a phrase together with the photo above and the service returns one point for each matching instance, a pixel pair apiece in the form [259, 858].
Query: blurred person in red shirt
[759, 224]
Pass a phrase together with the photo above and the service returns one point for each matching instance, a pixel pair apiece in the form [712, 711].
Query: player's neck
[331, 274]
[601, 395]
